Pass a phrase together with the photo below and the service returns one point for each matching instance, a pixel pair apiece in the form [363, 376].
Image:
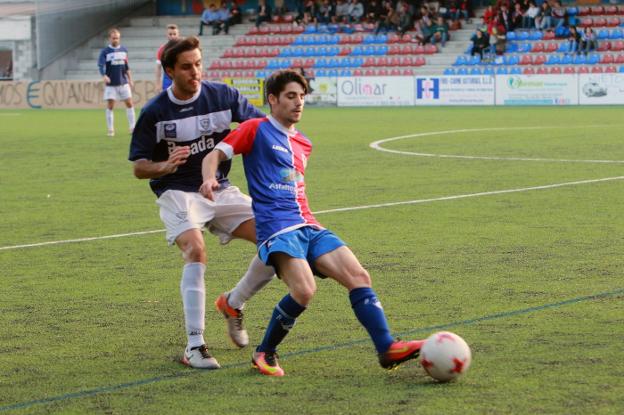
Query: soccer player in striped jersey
[290, 238]
[162, 78]
[113, 66]
[175, 131]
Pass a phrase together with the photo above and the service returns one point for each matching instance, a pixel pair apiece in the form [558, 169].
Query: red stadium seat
[419, 50]
[556, 70]
[611, 69]
[420, 61]
[583, 69]
[607, 59]
[308, 63]
[597, 69]
[395, 72]
[617, 46]
[600, 22]
[551, 47]
[394, 50]
[597, 10]
[406, 38]
[569, 69]
[583, 11]
[345, 50]
[528, 70]
[368, 62]
[619, 59]
[526, 60]
[613, 21]
[382, 72]
[538, 47]
[611, 10]
[408, 72]
[539, 60]
[604, 46]
[393, 38]
[542, 70]
[549, 35]
[357, 72]
[431, 49]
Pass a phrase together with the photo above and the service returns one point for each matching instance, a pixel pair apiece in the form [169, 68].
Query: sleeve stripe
[226, 149]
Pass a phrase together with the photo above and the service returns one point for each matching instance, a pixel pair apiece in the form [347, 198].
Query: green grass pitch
[526, 265]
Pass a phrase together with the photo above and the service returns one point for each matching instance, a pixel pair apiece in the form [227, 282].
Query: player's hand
[107, 80]
[208, 187]
[177, 157]
[131, 83]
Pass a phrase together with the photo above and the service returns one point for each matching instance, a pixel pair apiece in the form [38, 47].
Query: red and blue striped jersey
[275, 159]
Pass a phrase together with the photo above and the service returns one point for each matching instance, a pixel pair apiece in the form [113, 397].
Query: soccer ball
[445, 356]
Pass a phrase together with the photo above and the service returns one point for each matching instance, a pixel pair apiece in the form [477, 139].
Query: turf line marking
[376, 145]
[346, 209]
[188, 372]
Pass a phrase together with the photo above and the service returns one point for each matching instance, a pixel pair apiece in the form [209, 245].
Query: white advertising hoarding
[376, 91]
[324, 91]
[536, 90]
[601, 88]
[454, 90]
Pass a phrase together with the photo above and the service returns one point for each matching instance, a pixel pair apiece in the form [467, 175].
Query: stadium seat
[551, 47]
[579, 60]
[449, 71]
[464, 71]
[542, 70]
[597, 69]
[528, 70]
[536, 35]
[511, 36]
[607, 59]
[539, 60]
[407, 72]
[549, 35]
[616, 34]
[610, 69]
[619, 58]
[555, 70]
[569, 70]
[526, 60]
[502, 70]
[488, 70]
[461, 60]
[476, 71]
[583, 69]
[553, 60]
[593, 59]
[538, 47]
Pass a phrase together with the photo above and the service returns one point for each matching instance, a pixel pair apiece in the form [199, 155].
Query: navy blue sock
[368, 311]
[282, 320]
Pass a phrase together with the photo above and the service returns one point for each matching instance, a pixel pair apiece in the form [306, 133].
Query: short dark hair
[278, 80]
[175, 47]
[172, 26]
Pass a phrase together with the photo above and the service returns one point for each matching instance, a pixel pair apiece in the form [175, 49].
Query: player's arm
[210, 163]
[102, 67]
[148, 169]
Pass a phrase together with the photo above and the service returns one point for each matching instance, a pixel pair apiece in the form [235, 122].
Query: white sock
[257, 276]
[130, 115]
[193, 293]
[110, 120]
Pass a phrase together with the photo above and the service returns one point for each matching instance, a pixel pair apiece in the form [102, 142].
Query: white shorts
[117, 93]
[181, 211]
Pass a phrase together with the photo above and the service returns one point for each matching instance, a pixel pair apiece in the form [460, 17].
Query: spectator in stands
[279, 9]
[440, 32]
[389, 19]
[404, 17]
[356, 11]
[588, 41]
[263, 13]
[516, 16]
[236, 16]
[558, 14]
[504, 17]
[498, 40]
[210, 17]
[480, 42]
[373, 11]
[342, 11]
[464, 10]
[528, 19]
[326, 12]
[574, 40]
[544, 18]
[224, 21]
[489, 15]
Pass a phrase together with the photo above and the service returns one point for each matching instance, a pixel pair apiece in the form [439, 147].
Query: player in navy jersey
[290, 238]
[113, 65]
[175, 131]
[162, 79]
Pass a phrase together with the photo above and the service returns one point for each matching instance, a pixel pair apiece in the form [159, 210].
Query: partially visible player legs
[130, 114]
[110, 117]
[193, 291]
[342, 266]
[231, 303]
[297, 275]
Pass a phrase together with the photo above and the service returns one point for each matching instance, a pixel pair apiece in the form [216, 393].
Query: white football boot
[199, 358]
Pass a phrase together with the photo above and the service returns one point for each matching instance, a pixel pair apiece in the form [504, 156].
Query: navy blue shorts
[306, 243]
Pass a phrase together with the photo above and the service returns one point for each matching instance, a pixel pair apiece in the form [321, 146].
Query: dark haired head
[175, 47]
[277, 82]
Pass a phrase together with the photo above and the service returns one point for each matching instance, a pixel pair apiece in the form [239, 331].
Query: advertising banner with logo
[536, 90]
[454, 90]
[65, 94]
[250, 88]
[601, 88]
[376, 91]
[324, 91]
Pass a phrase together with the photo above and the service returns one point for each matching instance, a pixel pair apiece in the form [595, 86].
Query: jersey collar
[179, 101]
[280, 127]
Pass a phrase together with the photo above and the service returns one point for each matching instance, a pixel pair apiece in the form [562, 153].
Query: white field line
[345, 209]
[377, 146]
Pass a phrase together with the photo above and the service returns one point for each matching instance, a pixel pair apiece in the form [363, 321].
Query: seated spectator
[574, 40]
[342, 11]
[558, 14]
[528, 19]
[588, 41]
[373, 11]
[464, 10]
[389, 19]
[236, 17]
[356, 11]
[440, 32]
[404, 18]
[504, 18]
[489, 15]
[224, 21]
[480, 42]
[279, 9]
[498, 40]
[544, 18]
[326, 12]
[516, 17]
[209, 17]
[263, 14]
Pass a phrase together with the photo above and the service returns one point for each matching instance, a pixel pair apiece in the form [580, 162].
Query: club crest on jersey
[170, 130]
[204, 124]
[290, 175]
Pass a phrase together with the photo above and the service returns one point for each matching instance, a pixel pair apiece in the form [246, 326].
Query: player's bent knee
[361, 279]
[304, 295]
[194, 251]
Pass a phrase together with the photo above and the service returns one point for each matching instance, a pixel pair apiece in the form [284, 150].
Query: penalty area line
[180, 375]
[345, 209]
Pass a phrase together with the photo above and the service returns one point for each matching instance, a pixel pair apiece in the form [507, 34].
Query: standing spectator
[326, 12]
[498, 40]
[480, 42]
[588, 41]
[528, 19]
[574, 40]
[516, 16]
[489, 15]
[464, 10]
[404, 18]
[558, 15]
[263, 13]
[342, 11]
[162, 79]
[113, 66]
[504, 18]
[389, 19]
[544, 19]
[440, 32]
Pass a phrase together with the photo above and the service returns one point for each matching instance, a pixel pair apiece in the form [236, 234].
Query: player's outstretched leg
[369, 312]
[234, 320]
[282, 320]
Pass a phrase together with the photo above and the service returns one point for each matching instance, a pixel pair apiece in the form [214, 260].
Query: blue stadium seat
[286, 53]
[369, 39]
[515, 70]
[536, 35]
[462, 71]
[476, 71]
[382, 50]
[524, 47]
[564, 47]
[381, 38]
[580, 60]
[603, 34]
[474, 60]
[553, 60]
[572, 11]
[488, 71]
[502, 70]
[511, 47]
[345, 72]
[616, 34]
[622, 69]
[332, 72]
[511, 36]
[321, 63]
[357, 62]
[357, 51]
[310, 29]
[461, 60]
[320, 72]
[322, 28]
[273, 64]
[299, 40]
[567, 60]
[522, 36]
[512, 60]
[593, 59]
[449, 71]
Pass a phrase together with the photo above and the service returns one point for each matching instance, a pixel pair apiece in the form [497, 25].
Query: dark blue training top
[113, 62]
[200, 123]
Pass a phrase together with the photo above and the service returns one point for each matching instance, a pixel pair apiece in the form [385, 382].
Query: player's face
[186, 74]
[288, 107]
[172, 34]
[114, 39]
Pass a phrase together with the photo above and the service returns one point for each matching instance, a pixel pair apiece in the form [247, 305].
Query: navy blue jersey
[200, 123]
[113, 62]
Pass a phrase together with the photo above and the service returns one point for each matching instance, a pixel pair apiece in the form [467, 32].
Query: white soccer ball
[445, 356]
